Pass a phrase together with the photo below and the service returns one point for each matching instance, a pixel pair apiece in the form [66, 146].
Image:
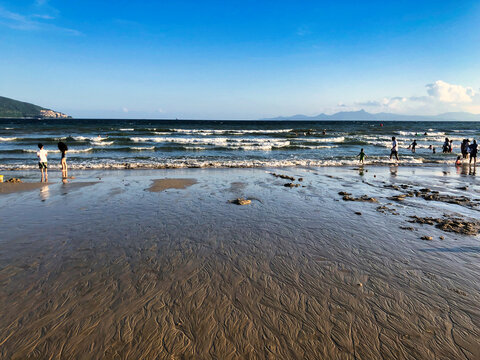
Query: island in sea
[10, 108]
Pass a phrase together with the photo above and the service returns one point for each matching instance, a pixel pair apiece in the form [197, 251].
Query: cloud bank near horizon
[440, 97]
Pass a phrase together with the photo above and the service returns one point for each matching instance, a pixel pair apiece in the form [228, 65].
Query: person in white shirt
[42, 162]
[394, 151]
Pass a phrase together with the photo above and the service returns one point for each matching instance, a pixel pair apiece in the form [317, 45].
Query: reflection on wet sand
[44, 193]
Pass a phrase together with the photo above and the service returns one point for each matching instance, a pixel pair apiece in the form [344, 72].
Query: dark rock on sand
[391, 186]
[281, 176]
[14, 180]
[455, 225]
[291, 185]
[397, 197]
[364, 198]
[409, 228]
[458, 200]
[433, 195]
[241, 201]
[343, 193]
[358, 213]
[428, 238]
[384, 209]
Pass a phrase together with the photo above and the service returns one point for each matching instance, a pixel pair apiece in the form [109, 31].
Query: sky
[240, 59]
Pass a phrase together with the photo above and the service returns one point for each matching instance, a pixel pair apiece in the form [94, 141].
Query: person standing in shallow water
[63, 162]
[473, 152]
[362, 156]
[465, 148]
[446, 145]
[414, 145]
[43, 162]
[394, 150]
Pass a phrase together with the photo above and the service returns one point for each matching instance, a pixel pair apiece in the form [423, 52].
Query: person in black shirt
[473, 152]
[63, 162]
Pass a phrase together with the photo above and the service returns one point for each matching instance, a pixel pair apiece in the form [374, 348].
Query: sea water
[111, 144]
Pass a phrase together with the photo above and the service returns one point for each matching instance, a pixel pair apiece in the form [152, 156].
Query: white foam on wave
[218, 141]
[316, 146]
[8, 138]
[337, 139]
[194, 148]
[102, 143]
[127, 129]
[430, 132]
[252, 147]
[229, 131]
[246, 163]
[465, 131]
[442, 139]
[91, 139]
[142, 148]
[70, 151]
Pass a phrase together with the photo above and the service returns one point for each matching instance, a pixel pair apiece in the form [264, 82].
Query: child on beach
[394, 150]
[63, 162]
[42, 162]
[458, 162]
[362, 156]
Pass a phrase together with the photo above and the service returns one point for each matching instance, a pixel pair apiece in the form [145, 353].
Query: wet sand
[164, 184]
[10, 188]
[110, 272]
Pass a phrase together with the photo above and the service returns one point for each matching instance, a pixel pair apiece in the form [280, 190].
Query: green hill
[10, 108]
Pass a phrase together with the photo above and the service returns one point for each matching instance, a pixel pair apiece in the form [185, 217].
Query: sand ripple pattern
[179, 283]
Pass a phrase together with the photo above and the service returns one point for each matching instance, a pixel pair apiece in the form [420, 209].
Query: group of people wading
[468, 150]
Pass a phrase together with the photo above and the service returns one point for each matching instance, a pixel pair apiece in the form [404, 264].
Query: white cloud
[43, 16]
[125, 110]
[445, 92]
[32, 22]
[441, 97]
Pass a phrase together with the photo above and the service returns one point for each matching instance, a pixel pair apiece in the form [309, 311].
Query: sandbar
[164, 184]
[10, 188]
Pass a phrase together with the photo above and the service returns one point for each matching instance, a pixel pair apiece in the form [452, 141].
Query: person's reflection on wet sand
[472, 170]
[44, 193]
[463, 170]
[393, 171]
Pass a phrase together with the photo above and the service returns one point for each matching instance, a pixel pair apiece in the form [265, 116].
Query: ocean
[118, 144]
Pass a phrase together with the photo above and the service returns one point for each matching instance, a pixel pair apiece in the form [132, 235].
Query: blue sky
[240, 59]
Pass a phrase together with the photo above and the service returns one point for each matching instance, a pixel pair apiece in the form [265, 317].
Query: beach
[353, 263]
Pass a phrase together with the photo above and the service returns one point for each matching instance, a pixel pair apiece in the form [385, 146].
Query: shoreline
[241, 164]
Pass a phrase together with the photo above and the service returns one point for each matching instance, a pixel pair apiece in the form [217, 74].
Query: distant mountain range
[363, 115]
[10, 108]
